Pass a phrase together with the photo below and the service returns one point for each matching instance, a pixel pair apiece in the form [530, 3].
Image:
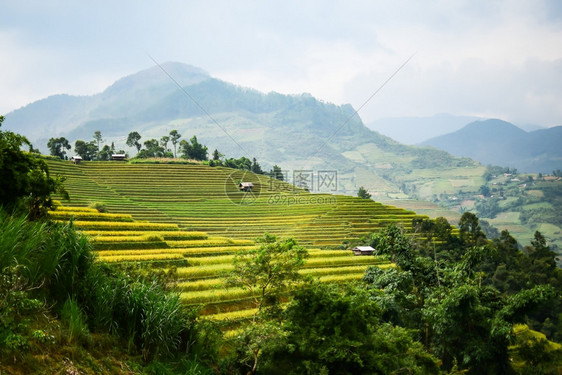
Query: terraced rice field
[193, 217]
[201, 198]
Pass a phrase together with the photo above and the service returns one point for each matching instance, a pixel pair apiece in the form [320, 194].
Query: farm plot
[185, 216]
[201, 260]
[200, 198]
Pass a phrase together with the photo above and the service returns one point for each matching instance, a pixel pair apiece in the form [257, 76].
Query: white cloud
[500, 58]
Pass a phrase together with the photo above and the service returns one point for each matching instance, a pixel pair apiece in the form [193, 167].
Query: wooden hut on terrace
[76, 159]
[245, 186]
[118, 157]
[363, 250]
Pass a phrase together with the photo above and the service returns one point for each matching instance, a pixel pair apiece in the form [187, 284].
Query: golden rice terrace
[197, 218]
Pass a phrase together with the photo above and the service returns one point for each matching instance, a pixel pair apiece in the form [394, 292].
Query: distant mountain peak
[184, 74]
[499, 142]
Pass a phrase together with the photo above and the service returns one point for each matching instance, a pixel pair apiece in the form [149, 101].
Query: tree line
[153, 148]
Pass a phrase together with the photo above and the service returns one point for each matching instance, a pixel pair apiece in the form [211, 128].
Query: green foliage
[256, 168]
[217, 155]
[464, 330]
[87, 151]
[57, 146]
[152, 150]
[164, 142]
[362, 193]
[174, 138]
[155, 322]
[276, 172]
[56, 263]
[55, 256]
[133, 140]
[105, 153]
[270, 270]
[470, 229]
[24, 178]
[98, 139]
[243, 163]
[73, 319]
[99, 206]
[17, 308]
[192, 149]
[488, 207]
[333, 331]
[538, 357]
[450, 295]
[484, 190]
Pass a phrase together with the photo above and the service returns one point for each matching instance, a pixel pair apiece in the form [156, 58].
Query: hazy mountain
[415, 130]
[294, 131]
[501, 143]
[59, 114]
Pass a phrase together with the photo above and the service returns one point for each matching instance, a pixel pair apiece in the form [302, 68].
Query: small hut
[76, 159]
[245, 186]
[363, 250]
[118, 157]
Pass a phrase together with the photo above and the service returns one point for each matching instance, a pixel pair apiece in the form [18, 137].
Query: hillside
[294, 131]
[194, 217]
[202, 198]
[498, 142]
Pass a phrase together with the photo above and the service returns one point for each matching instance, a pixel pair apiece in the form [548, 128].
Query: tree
[174, 138]
[198, 151]
[335, 331]
[362, 193]
[256, 167]
[217, 155]
[193, 149]
[470, 229]
[488, 207]
[270, 270]
[152, 149]
[87, 151]
[24, 178]
[57, 146]
[133, 140]
[484, 190]
[276, 172]
[105, 153]
[242, 163]
[164, 142]
[98, 139]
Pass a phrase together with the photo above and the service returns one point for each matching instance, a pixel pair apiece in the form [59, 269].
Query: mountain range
[501, 143]
[297, 132]
[415, 130]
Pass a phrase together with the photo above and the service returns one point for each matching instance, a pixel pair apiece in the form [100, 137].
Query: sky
[493, 59]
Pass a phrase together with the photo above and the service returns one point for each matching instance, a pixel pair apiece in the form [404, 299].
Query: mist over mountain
[501, 143]
[415, 130]
[294, 131]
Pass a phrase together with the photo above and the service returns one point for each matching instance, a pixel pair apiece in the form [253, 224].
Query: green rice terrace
[195, 217]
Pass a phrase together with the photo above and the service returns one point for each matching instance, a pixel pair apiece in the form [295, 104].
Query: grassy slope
[191, 217]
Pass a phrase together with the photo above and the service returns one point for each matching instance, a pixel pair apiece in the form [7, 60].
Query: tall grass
[75, 322]
[57, 263]
[55, 256]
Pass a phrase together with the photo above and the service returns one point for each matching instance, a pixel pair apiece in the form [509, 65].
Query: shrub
[98, 206]
[155, 322]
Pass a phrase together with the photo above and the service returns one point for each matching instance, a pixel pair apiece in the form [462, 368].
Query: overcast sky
[499, 59]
